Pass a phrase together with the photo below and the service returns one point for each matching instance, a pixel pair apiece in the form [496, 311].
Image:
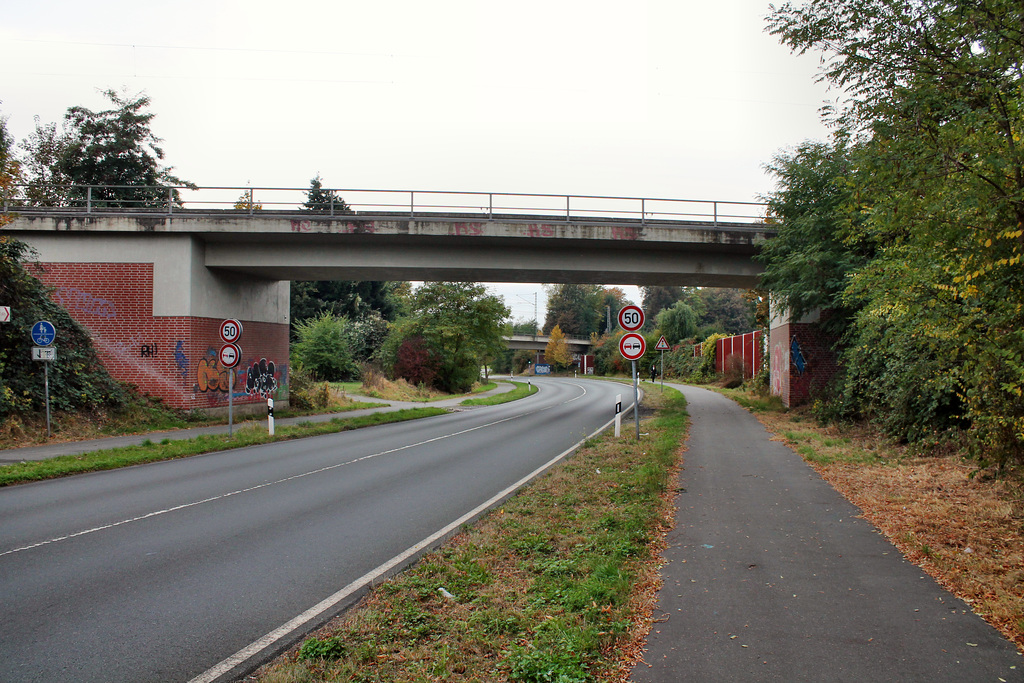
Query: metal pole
[46, 385]
[636, 401]
[88, 199]
[412, 204]
[663, 372]
[231, 402]
[170, 200]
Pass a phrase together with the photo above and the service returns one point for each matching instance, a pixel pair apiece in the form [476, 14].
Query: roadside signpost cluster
[632, 347]
[230, 354]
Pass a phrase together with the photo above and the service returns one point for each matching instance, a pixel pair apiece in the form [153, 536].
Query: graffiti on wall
[77, 301]
[777, 365]
[797, 356]
[180, 359]
[210, 376]
[260, 380]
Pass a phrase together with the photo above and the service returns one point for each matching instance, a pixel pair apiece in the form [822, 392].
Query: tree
[324, 349]
[577, 309]
[656, 298]
[320, 200]
[10, 169]
[113, 150]
[246, 203]
[44, 148]
[462, 323]
[809, 260]
[557, 351]
[935, 104]
[677, 323]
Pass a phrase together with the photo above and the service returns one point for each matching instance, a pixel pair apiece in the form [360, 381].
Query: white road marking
[257, 646]
[184, 506]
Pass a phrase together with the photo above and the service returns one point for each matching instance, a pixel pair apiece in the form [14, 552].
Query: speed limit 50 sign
[631, 318]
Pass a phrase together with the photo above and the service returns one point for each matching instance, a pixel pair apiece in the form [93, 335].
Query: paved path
[772, 576]
[77, 447]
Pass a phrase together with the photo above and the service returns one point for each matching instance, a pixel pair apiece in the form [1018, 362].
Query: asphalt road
[160, 572]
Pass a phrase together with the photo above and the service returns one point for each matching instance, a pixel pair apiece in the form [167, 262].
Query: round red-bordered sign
[632, 346]
[631, 318]
[230, 331]
[229, 355]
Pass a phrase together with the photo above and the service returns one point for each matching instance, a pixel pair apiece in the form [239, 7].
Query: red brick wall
[793, 384]
[172, 357]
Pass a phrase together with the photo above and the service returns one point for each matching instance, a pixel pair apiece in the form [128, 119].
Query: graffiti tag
[260, 380]
[83, 302]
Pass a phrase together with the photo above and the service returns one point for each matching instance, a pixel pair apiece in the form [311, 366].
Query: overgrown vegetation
[79, 382]
[551, 587]
[909, 224]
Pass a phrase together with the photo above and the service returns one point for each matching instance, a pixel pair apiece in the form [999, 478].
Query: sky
[658, 98]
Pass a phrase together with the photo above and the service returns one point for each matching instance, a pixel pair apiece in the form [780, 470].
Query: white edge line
[316, 610]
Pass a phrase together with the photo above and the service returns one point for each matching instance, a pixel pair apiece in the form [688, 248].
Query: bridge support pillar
[801, 356]
[154, 309]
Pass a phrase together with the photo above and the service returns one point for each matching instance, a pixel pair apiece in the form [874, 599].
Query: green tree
[10, 169]
[115, 151]
[320, 200]
[934, 98]
[577, 309]
[462, 323]
[677, 323]
[323, 348]
[808, 263]
[43, 150]
[656, 299]
[557, 351]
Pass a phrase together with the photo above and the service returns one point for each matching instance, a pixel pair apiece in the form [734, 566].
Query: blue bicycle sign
[43, 333]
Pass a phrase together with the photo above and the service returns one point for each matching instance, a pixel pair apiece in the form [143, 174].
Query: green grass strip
[522, 390]
[539, 591]
[168, 449]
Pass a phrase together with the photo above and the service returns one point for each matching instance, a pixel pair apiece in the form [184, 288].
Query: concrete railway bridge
[152, 282]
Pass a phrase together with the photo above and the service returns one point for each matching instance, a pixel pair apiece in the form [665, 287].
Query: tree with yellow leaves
[557, 350]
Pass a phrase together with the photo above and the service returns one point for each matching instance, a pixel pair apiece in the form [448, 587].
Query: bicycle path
[771, 575]
[53, 450]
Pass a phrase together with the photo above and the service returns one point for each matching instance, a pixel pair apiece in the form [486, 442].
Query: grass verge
[167, 449]
[961, 525]
[556, 585]
[521, 390]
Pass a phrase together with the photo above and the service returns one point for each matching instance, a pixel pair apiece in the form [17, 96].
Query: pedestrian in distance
[654, 371]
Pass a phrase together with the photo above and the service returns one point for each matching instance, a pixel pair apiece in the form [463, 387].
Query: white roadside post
[270, 415]
[618, 414]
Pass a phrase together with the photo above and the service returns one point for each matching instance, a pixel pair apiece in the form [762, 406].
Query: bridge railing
[419, 204]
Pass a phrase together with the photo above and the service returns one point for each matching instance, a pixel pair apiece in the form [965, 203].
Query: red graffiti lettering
[540, 230]
[301, 226]
[472, 229]
[359, 228]
[622, 233]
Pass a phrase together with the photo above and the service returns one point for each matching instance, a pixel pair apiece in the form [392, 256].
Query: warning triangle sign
[662, 345]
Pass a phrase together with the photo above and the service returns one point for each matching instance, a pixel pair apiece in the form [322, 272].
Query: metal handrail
[362, 202]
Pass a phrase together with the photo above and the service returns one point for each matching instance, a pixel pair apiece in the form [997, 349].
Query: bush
[304, 393]
[324, 348]
[416, 362]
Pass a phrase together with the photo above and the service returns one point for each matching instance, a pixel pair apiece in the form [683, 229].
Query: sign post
[43, 333]
[229, 355]
[632, 347]
[663, 347]
[5, 314]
